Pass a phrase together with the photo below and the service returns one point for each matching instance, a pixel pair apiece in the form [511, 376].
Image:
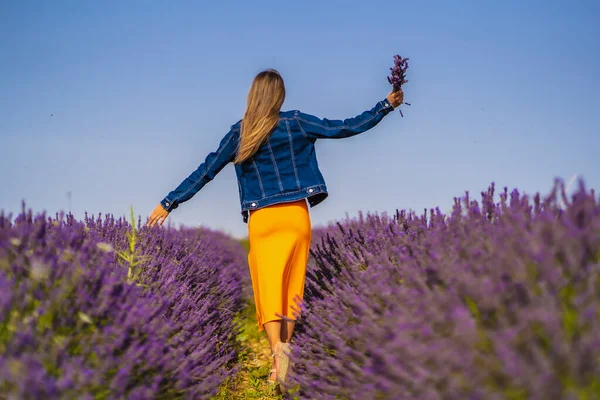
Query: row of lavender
[498, 300]
[91, 310]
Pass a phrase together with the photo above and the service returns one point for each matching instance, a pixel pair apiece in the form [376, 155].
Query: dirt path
[251, 382]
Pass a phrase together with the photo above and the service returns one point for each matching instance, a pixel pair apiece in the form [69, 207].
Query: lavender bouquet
[398, 77]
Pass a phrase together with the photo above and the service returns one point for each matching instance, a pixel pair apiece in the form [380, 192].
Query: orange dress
[279, 237]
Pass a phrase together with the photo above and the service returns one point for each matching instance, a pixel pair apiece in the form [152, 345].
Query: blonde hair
[265, 99]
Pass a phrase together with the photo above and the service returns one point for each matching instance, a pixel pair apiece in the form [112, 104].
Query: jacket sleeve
[317, 128]
[212, 165]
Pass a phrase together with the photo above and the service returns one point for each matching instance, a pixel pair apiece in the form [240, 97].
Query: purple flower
[397, 78]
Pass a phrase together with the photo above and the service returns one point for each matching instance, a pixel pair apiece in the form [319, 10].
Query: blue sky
[117, 102]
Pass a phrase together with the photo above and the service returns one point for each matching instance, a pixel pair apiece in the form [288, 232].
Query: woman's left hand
[396, 98]
[158, 214]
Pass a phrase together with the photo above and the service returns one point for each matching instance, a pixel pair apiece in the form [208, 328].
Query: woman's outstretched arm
[318, 128]
[212, 165]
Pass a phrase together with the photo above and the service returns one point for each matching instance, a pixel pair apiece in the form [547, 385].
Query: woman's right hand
[396, 98]
[159, 213]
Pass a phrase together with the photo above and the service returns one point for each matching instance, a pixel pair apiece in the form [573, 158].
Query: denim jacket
[285, 168]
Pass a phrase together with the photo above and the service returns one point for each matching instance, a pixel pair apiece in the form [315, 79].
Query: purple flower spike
[397, 79]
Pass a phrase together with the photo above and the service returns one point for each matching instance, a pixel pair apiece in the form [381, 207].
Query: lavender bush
[498, 300]
[71, 326]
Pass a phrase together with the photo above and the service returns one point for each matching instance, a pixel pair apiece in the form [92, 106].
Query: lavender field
[499, 299]
[98, 310]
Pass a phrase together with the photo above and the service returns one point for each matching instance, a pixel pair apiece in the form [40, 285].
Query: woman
[277, 172]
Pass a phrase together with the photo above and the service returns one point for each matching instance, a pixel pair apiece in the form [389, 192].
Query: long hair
[265, 99]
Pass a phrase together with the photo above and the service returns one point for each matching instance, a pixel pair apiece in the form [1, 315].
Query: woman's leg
[273, 330]
[287, 329]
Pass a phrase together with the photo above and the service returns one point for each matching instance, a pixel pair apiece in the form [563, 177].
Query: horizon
[168, 224]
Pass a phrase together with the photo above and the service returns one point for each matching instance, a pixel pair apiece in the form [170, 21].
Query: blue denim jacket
[285, 168]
